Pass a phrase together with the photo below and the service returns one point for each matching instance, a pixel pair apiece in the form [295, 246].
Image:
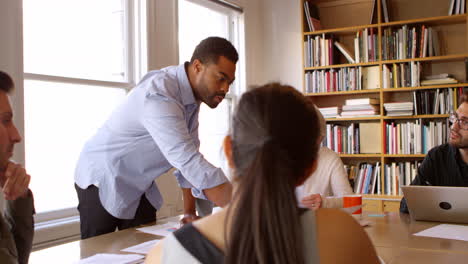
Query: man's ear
[197, 65]
[227, 146]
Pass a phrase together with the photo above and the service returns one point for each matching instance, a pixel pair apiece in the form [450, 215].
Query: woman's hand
[313, 201]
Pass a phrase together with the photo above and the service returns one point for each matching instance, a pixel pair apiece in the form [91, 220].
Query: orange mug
[350, 201]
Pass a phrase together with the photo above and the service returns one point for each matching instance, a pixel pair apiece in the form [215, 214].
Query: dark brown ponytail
[274, 142]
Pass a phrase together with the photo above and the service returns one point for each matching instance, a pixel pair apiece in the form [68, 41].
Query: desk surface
[391, 236]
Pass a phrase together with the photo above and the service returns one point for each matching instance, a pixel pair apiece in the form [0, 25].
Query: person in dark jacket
[16, 222]
[447, 164]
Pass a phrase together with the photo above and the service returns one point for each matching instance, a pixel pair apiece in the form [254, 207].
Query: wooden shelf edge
[403, 89]
[414, 117]
[376, 155]
[455, 19]
[382, 196]
[341, 29]
[374, 63]
[404, 155]
[366, 91]
[433, 58]
[352, 118]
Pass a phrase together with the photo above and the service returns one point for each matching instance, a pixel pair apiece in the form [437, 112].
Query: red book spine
[340, 147]
[384, 136]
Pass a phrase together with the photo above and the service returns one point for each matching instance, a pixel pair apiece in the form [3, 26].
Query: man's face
[458, 135]
[213, 80]
[9, 135]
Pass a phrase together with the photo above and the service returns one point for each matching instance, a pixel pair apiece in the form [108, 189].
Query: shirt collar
[187, 95]
[457, 156]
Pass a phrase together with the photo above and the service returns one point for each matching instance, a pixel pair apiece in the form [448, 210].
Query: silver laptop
[437, 203]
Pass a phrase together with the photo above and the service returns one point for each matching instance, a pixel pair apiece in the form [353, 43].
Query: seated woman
[272, 149]
[329, 181]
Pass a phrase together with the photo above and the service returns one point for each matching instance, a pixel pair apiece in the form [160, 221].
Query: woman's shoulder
[326, 153]
[212, 227]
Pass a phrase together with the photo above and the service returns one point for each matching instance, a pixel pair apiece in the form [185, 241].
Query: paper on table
[457, 232]
[160, 230]
[111, 258]
[142, 248]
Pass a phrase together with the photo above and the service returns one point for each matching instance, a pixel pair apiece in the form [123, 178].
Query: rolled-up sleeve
[165, 121]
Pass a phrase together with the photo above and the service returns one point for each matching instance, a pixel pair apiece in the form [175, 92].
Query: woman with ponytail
[272, 149]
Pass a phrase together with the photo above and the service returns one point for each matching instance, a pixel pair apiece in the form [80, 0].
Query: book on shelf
[397, 174]
[370, 137]
[345, 52]
[466, 70]
[370, 77]
[312, 16]
[373, 17]
[319, 51]
[365, 45]
[401, 75]
[451, 5]
[399, 108]
[368, 107]
[366, 178]
[437, 76]
[342, 138]
[410, 42]
[353, 108]
[385, 10]
[334, 80]
[362, 101]
[414, 137]
[434, 102]
[456, 7]
[447, 80]
[330, 112]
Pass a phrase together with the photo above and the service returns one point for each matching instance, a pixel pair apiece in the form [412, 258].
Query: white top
[180, 248]
[329, 179]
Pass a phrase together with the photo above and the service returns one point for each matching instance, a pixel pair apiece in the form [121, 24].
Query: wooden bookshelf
[344, 30]
[342, 19]
[431, 21]
[342, 66]
[360, 156]
[415, 117]
[447, 58]
[428, 87]
[404, 155]
[366, 91]
[353, 118]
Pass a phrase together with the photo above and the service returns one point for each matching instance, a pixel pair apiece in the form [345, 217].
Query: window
[79, 63]
[197, 21]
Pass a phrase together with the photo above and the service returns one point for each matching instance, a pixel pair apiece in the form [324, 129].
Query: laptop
[437, 203]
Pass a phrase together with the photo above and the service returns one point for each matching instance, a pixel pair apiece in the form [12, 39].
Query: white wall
[281, 42]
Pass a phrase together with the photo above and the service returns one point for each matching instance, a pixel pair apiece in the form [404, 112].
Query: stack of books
[443, 78]
[330, 112]
[399, 108]
[361, 107]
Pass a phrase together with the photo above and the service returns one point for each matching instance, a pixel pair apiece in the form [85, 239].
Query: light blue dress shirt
[152, 131]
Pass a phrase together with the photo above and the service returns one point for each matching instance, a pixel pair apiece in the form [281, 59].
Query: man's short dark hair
[464, 97]
[6, 83]
[210, 49]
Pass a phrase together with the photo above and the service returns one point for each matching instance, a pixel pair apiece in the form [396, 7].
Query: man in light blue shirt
[152, 131]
